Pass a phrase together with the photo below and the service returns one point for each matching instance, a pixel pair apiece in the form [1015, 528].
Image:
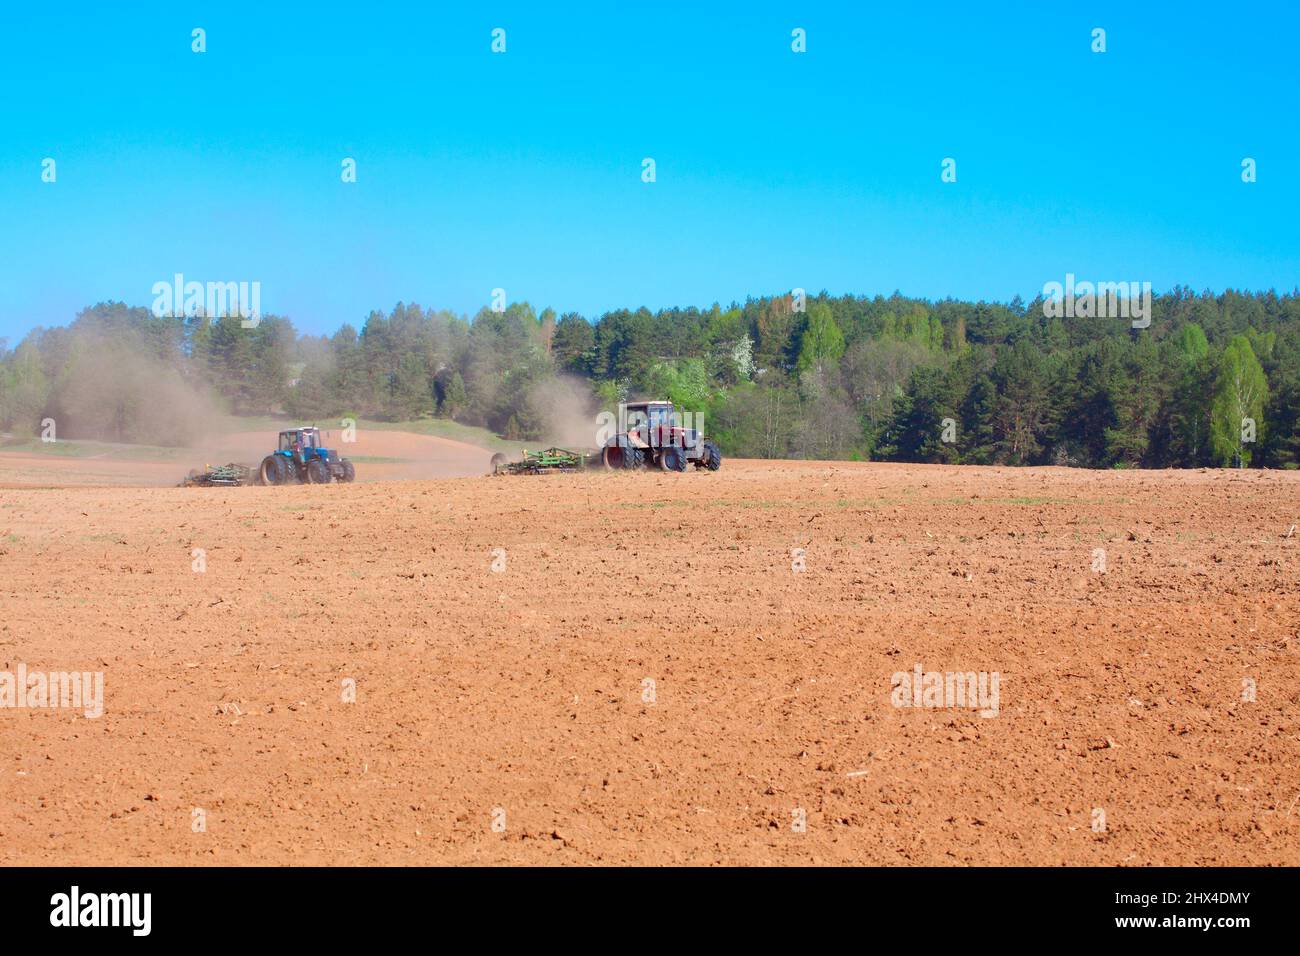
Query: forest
[1213, 381]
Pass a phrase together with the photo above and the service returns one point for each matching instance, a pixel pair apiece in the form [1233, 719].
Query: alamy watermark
[654, 424]
[970, 689]
[178, 299]
[79, 690]
[1100, 300]
[75, 908]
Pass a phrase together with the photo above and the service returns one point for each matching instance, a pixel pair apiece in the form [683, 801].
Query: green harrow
[223, 476]
[540, 462]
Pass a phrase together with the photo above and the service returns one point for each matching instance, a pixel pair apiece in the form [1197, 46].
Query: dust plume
[113, 393]
[567, 409]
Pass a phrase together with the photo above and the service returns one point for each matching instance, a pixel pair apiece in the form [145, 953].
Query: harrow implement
[540, 462]
[228, 476]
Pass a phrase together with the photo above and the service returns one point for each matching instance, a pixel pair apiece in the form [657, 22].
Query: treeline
[1213, 381]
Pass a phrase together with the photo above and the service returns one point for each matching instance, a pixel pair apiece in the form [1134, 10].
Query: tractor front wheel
[623, 457]
[673, 459]
[318, 473]
[349, 472]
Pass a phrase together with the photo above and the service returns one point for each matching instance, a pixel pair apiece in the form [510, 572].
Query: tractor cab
[299, 438]
[302, 444]
[650, 418]
[655, 424]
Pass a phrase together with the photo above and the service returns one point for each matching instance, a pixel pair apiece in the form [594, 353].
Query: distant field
[381, 451]
[437, 427]
[92, 449]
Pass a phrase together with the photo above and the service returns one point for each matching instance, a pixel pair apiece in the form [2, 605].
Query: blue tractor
[300, 458]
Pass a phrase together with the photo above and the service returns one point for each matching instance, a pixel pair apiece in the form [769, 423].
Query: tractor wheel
[349, 472]
[272, 470]
[672, 459]
[627, 457]
[712, 457]
[318, 473]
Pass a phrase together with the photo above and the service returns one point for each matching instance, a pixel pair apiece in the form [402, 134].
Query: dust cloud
[568, 410]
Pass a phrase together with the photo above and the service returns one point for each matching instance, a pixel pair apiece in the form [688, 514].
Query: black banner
[1219, 906]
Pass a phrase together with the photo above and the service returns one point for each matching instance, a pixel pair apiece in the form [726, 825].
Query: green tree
[684, 382]
[822, 342]
[1137, 398]
[1281, 446]
[1189, 400]
[449, 393]
[916, 430]
[1020, 412]
[572, 341]
[24, 389]
[1240, 392]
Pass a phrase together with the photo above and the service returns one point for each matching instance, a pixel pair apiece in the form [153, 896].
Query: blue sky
[523, 170]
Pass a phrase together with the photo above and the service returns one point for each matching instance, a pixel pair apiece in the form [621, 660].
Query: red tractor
[652, 434]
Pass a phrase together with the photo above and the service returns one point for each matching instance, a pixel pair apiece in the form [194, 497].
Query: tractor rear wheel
[318, 473]
[349, 472]
[272, 470]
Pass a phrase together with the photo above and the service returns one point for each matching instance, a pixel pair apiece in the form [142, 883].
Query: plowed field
[657, 668]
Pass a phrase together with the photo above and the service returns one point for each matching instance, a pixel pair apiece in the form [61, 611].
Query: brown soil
[526, 689]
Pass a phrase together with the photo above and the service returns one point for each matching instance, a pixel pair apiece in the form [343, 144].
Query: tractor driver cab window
[636, 420]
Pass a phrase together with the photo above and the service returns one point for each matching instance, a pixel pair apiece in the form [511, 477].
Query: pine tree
[1020, 412]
